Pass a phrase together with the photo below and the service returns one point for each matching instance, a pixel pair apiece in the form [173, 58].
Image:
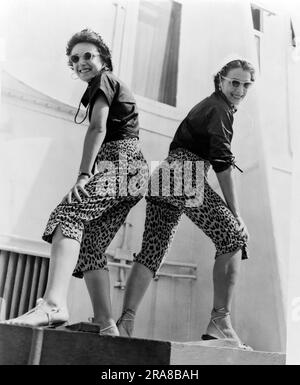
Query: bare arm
[95, 134]
[92, 143]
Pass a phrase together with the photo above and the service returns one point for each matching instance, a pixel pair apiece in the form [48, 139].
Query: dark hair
[246, 66]
[89, 36]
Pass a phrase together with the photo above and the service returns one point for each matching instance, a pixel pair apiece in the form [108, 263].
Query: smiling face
[88, 62]
[235, 94]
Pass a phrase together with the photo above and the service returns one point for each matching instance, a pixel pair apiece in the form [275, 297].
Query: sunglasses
[237, 83]
[86, 56]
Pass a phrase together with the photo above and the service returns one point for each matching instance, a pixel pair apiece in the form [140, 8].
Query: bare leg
[136, 286]
[225, 274]
[98, 284]
[64, 254]
[160, 233]
[53, 308]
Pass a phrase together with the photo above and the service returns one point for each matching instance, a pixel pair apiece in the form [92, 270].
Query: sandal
[110, 330]
[220, 328]
[125, 323]
[52, 316]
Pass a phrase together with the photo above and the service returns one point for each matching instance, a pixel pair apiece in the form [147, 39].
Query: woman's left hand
[79, 186]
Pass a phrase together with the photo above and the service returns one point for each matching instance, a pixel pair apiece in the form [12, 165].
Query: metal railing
[24, 272]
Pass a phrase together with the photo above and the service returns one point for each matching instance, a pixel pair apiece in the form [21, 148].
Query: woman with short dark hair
[203, 139]
[110, 182]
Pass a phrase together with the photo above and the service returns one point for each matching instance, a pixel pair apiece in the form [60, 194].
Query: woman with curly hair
[203, 139]
[110, 182]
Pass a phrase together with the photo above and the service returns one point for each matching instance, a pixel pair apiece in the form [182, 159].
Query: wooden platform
[20, 345]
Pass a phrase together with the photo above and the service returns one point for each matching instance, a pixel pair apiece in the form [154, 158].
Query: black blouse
[207, 131]
[122, 121]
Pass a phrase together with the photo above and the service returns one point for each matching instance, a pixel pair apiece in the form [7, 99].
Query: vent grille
[23, 279]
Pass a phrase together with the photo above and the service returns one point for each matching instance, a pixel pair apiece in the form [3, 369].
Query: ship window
[157, 50]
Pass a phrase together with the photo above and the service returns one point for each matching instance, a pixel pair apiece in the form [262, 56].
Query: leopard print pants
[166, 202]
[118, 184]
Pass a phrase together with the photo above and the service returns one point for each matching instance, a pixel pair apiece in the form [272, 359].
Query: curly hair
[89, 36]
[246, 66]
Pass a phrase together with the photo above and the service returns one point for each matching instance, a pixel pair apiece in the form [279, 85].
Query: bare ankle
[221, 310]
[130, 313]
[51, 301]
[103, 321]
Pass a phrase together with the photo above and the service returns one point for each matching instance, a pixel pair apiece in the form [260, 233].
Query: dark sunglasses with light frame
[236, 83]
[86, 56]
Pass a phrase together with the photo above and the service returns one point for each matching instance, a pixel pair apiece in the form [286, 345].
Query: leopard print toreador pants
[185, 191]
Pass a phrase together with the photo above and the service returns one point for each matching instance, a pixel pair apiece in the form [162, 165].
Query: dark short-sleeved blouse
[207, 131]
[122, 121]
